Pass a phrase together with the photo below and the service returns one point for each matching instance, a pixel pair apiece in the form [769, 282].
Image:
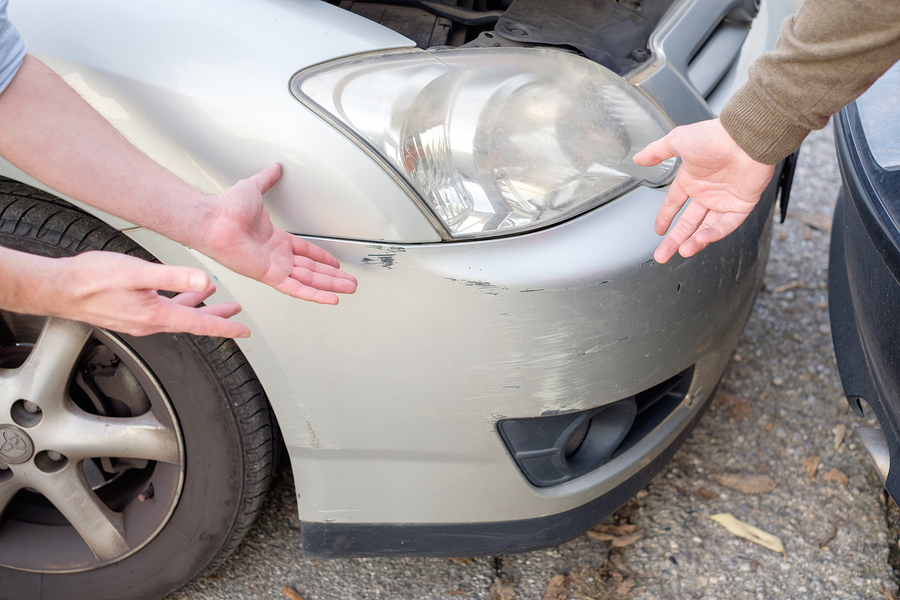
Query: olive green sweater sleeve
[828, 54]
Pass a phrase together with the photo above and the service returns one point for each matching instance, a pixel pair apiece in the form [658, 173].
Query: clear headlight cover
[493, 140]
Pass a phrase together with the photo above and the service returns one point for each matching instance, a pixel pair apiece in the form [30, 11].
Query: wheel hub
[85, 430]
[16, 447]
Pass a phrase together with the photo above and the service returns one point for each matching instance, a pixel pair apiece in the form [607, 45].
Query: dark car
[864, 268]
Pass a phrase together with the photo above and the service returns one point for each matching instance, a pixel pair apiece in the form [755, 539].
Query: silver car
[514, 366]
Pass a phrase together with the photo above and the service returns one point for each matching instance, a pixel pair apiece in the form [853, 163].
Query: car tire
[165, 518]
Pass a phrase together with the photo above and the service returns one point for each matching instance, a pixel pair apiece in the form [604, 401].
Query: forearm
[52, 134]
[827, 55]
[28, 282]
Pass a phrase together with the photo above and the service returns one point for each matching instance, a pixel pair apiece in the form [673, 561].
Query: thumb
[654, 153]
[266, 178]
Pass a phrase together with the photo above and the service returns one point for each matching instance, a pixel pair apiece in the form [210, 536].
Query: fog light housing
[554, 449]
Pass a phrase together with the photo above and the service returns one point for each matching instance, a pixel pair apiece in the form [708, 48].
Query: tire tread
[53, 227]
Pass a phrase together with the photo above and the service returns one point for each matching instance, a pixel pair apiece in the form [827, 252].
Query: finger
[713, 229]
[295, 289]
[225, 310]
[706, 234]
[301, 247]
[316, 267]
[684, 228]
[655, 152]
[151, 276]
[195, 298]
[323, 282]
[266, 178]
[177, 318]
[674, 200]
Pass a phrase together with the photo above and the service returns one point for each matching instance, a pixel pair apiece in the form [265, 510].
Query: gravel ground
[785, 368]
[783, 404]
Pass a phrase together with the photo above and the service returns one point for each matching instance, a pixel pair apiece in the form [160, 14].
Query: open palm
[722, 182]
[242, 237]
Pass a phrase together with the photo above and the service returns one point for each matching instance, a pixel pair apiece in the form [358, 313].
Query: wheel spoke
[8, 490]
[101, 528]
[82, 435]
[45, 375]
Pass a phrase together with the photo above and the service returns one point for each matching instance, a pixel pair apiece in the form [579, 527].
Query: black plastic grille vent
[557, 448]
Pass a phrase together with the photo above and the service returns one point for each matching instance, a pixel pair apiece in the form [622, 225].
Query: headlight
[492, 140]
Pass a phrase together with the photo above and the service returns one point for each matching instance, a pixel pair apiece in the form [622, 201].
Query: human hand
[119, 292]
[722, 181]
[240, 235]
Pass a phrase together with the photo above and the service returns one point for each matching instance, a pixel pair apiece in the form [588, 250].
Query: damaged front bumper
[461, 337]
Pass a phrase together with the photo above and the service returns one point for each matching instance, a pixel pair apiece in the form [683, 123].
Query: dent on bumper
[444, 340]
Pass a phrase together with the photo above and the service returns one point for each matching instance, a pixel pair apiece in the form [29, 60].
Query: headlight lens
[493, 140]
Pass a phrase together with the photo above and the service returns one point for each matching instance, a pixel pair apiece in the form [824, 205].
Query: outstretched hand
[722, 182]
[119, 292]
[240, 235]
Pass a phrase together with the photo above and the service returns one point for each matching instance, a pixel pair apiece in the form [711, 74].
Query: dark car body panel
[864, 283]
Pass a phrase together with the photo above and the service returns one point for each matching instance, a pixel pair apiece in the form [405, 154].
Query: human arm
[114, 291]
[52, 134]
[826, 56]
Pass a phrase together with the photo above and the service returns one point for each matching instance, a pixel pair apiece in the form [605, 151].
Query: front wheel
[128, 466]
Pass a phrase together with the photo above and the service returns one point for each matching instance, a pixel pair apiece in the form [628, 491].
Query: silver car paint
[202, 87]
[388, 402]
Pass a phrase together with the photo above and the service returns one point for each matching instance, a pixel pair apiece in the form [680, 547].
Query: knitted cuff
[760, 130]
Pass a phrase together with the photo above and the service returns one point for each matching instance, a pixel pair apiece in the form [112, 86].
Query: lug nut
[54, 456]
[31, 407]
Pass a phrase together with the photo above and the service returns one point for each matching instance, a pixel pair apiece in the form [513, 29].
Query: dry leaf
[839, 431]
[558, 588]
[749, 532]
[617, 563]
[617, 530]
[820, 222]
[706, 494]
[609, 582]
[624, 588]
[615, 540]
[836, 476]
[787, 287]
[812, 465]
[291, 593]
[738, 406]
[830, 536]
[747, 483]
[463, 561]
[888, 594]
[459, 592]
[503, 588]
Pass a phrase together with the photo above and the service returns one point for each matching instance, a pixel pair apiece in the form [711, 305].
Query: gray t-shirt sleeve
[12, 48]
